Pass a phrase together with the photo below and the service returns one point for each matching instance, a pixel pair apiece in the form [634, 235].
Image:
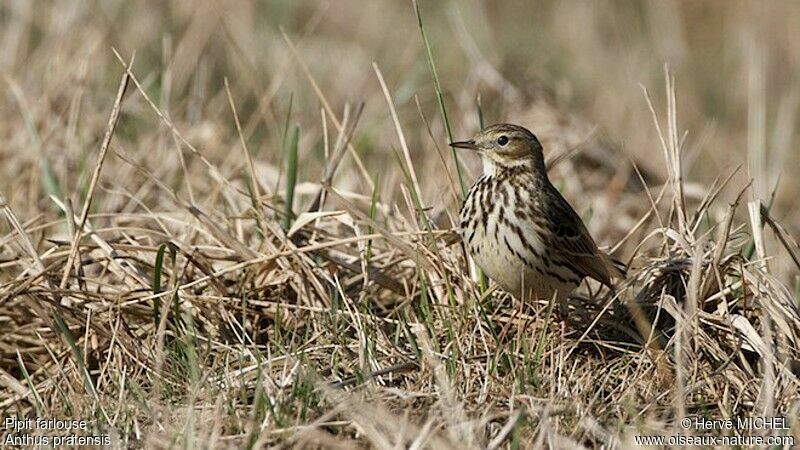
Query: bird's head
[505, 145]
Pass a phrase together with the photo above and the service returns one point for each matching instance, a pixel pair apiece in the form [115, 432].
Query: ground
[230, 224]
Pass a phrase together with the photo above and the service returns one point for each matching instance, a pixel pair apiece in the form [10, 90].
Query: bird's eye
[502, 140]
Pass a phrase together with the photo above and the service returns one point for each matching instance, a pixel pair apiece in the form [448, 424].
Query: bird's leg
[563, 308]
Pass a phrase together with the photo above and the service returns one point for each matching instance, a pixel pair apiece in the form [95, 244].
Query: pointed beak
[470, 144]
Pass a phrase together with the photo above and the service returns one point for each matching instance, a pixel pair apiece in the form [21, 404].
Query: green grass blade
[50, 182]
[284, 134]
[480, 112]
[157, 282]
[373, 209]
[291, 178]
[751, 245]
[37, 400]
[76, 353]
[439, 95]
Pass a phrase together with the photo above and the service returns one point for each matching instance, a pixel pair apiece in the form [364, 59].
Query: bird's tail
[616, 268]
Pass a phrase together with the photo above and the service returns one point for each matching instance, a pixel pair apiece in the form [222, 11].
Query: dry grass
[155, 281]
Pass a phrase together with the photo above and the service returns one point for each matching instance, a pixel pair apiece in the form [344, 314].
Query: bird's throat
[495, 165]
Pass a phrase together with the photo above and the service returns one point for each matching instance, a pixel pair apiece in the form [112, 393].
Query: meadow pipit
[519, 229]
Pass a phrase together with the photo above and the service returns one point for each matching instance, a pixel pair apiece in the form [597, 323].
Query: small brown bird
[519, 229]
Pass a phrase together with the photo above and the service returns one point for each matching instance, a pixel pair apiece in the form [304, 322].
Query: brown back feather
[573, 241]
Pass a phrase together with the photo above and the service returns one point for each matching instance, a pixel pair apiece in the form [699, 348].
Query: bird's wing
[572, 240]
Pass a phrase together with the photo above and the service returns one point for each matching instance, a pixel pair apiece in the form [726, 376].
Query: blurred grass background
[573, 71]
[735, 62]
